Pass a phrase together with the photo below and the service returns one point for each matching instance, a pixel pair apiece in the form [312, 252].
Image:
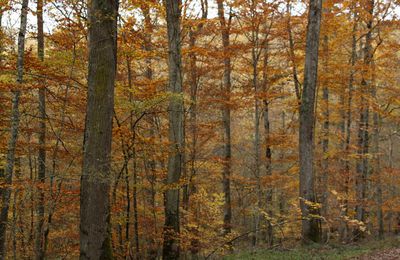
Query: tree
[175, 131]
[95, 238]
[12, 143]
[309, 209]
[226, 117]
[363, 127]
[39, 243]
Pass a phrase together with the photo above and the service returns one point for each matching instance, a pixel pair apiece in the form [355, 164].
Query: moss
[315, 251]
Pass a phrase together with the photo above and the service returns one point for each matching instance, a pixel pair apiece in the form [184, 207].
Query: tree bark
[133, 152]
[346, 130]
[171, 245]
[257, 138]
[39, 240]
[292, 54]
[310, 222]
[226, 119]
[190, 188]
[363, 130]
[325, 133]
[12, 143]
[376, 169]
[95, 241]
[268, 150]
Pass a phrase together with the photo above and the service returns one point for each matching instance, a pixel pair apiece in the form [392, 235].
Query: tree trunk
[135, 206]
[39, 241]
[189, 188]
[325, 140]
[363, 131]
[257, 154]
[95, 240]
[12, 143]
[135, 181]
[268, 150]
[226, 119]
[175, 119]
[310, 223]
[376, 169]
[292, 53]
[347, 121]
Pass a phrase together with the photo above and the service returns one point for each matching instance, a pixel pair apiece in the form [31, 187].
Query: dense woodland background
[217, 142]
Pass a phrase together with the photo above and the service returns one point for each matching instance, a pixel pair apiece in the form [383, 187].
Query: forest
[199, 129]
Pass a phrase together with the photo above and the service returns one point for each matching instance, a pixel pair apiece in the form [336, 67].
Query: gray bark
[325, 133]
[363, 131]
[95, 241]
[268, 150]
[39, 240]
[376, 168]
[12, 143]
[226, 120]
[175, 137]
[194, 84]
[310, 224]
[150, 161]
[257, 152]
[292, 53]
[346, 130]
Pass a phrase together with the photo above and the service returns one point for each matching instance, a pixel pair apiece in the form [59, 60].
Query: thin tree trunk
[363, 131]
[292, 53]
[310, 223]
[15, 118]
[95, 240]
[135, 183]
[325, 140]
[190, 187]
[128, 204]
[257, 153]
[31, 198]
[14, 224]
[171, 247]
[376, 169]
[226, 119]
[15, 208]
[392, 187]
[150, 162]
[194, 82]
[135, 207]
[187, 189]
[268, 150]
[39, 241]
[325, 135]
[376, 172]
[347, 121]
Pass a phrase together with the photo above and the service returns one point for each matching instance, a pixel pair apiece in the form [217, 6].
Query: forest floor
[388, 249]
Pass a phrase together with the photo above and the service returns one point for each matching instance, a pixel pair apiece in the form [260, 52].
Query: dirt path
[388, 254]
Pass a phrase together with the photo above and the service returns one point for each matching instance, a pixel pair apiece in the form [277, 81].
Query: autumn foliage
[356, 131]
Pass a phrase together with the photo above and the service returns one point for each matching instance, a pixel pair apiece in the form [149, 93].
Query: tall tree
[95, 181]
[194, 80]
[376, 169]
[226, 117]
[347, 119]
[310, 224]
[292, 55]
[12, 143]
[39, 241]
[175, 133]
[267, 137]
[325, 132]
[363, 126]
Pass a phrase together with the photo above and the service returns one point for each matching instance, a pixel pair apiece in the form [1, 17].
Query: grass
[325, 252]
